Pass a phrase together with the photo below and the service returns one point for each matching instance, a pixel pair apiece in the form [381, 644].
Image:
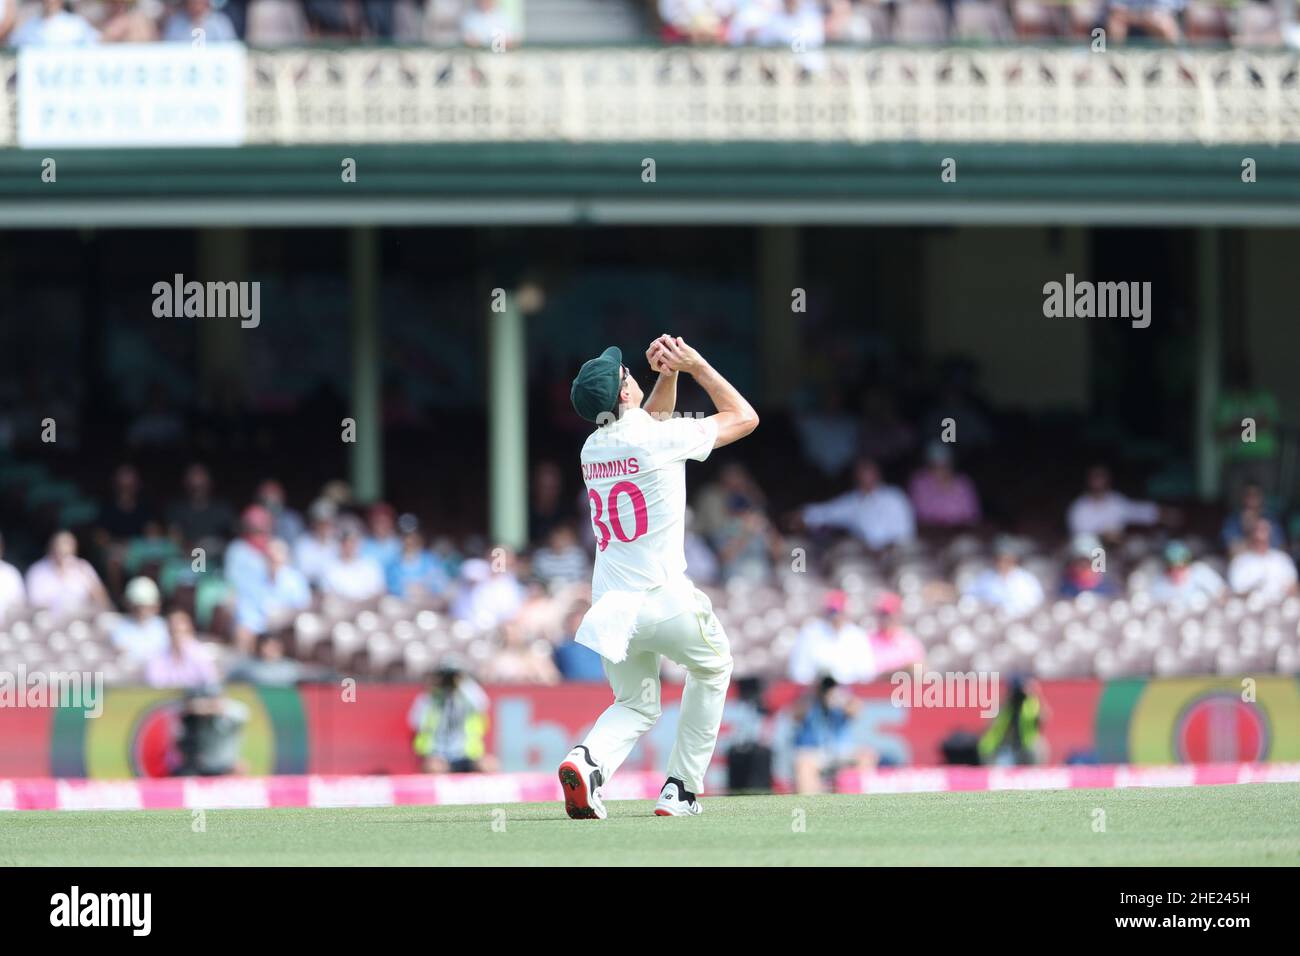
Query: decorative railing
[997, 95]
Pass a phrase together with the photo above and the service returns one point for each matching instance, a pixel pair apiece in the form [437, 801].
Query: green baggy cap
[595, 390]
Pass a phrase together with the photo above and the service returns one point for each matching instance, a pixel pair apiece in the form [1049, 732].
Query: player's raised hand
[680, 357]
[656, 357]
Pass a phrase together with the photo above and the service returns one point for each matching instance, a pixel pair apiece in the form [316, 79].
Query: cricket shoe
[676, 801]
[582, 780]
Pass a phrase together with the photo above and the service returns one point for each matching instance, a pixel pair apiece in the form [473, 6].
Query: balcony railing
[995, 95]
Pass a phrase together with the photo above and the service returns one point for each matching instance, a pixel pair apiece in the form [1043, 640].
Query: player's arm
[663, 396]
[735, 417]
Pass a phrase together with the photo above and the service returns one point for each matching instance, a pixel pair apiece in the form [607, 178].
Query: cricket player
[643, 605]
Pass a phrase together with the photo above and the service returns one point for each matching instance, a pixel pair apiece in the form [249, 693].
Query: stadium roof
[738, 183]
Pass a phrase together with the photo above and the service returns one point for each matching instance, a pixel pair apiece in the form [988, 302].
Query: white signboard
[160, 94]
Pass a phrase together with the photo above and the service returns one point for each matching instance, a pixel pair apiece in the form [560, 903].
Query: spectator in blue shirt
[199, 15]
[383, 543]
[245, 560]
[282, 593]
[414, 573]
[56, 27]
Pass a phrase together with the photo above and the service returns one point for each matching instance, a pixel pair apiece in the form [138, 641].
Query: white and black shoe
[676, 801]
[581, 780]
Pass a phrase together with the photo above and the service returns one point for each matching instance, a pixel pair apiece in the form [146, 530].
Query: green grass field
[1247, 825]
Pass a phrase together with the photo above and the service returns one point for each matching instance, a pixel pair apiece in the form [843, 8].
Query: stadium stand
[444, 598]
[270, 23]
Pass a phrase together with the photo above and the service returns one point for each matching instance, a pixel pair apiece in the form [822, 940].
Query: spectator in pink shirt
[62, 582]
[127, 23]
[941, 497]
[892, 646]
[185, 662]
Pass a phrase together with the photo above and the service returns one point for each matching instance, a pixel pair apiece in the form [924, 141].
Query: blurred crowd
[265, 580]
[804, 24]
[258, 22]
[808, 24]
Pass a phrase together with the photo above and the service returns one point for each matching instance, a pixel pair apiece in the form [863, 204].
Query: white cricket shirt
[635, 473]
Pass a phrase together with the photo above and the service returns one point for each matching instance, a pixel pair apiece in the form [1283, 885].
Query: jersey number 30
[638, 510]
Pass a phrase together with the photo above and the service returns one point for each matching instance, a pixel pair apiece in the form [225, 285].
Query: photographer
[1016, 736]
[449, 722]
[211, 733]
[823, 736]
[749, 754]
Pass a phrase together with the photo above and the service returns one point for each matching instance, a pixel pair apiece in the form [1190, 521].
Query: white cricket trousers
[692, 637]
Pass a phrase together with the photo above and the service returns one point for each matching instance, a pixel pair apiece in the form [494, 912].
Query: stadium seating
[394, 638]
[272, 23]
